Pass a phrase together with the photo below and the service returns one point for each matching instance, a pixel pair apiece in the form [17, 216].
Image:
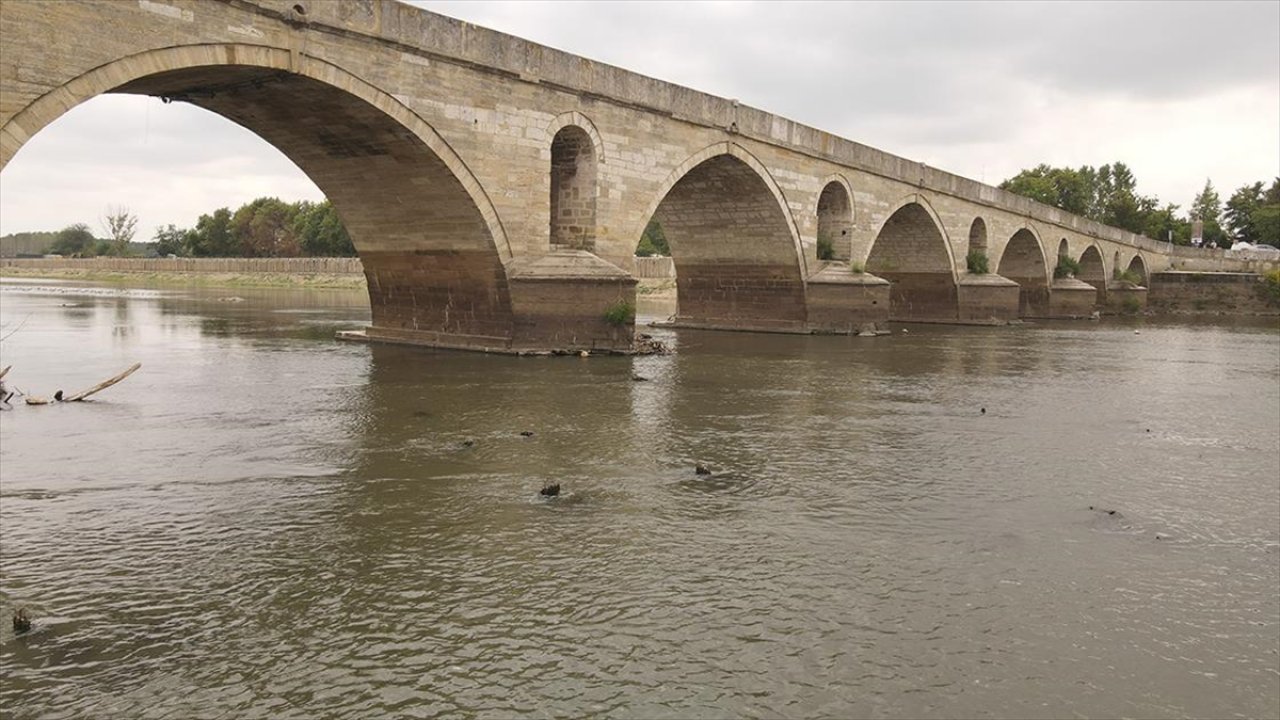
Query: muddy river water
[265, 522]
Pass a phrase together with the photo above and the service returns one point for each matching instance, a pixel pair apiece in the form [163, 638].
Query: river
[266, 522]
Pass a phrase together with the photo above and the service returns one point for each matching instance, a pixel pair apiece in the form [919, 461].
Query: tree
[653, 241]
[1207, 207]
[121, 225]
[1239, 212]
[1165, 225]
[74, 240]
[172, 241]
[1266, 218]
[212, 236]
[264, 228]
[320, 231]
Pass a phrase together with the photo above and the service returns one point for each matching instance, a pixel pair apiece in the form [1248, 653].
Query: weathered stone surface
[842, 301]
[987, 299]
[1072, 298]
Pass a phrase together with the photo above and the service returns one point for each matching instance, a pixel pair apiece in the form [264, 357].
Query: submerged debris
[701, 469]
[21, 621]
[550, 490]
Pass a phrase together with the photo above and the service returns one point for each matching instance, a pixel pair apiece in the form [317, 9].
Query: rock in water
[701, 470]
[550, 490]
[21, 621]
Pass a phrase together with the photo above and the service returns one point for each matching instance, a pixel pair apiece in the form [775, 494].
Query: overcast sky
[1180, 91]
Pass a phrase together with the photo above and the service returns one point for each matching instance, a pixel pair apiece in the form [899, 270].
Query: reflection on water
[266, 522]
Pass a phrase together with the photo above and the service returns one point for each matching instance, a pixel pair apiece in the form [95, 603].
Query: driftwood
[5, 371]
[58, 397]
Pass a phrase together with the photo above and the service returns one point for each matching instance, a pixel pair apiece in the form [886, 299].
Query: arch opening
[1023, 262]
[978, 235]
[835, 223]
[733, 249]
[1093, 272]
[573, 190]
[1138, 267]
[430, 252]
[1064, 249]
[910, 252]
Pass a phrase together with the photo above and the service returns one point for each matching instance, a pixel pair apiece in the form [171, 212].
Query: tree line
[266, 227]
[1109, 195]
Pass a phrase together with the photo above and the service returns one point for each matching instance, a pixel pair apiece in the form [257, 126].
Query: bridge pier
[1071, 298]
[986, 299]
[1125, 298]
[841, 301]
[571, 300]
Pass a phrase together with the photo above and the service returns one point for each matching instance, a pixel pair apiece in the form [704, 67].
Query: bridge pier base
[571, 300]
[841, 301]
[1071, 298]
[987, 299]
[1125, 299]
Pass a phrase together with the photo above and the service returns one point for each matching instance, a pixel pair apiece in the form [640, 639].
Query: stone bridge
[496, 189]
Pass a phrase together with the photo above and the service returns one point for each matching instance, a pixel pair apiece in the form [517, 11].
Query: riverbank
[648, 287]
[168, 278]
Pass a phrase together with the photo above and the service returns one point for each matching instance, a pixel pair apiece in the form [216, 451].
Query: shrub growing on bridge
[977, 262]
[1066, 267]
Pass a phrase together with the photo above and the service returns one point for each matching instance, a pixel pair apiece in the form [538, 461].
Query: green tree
[1266, 218]
[74, 240]
[1207, 207]
[652, 241]
[1239, 212]
[171, 240]
[1165, 225]
[1070, 190]
[264, 228]
[320, 231]
[212, 236]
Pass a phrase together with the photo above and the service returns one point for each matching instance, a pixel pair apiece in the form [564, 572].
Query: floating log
[104, 384]
[5, 371]
[59, 397]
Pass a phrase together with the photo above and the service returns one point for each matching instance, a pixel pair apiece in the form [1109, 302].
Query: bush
[620, 313]
[976, 260]
[1130, 306]
[826, 249]
[1128, 276]
[857, 268]
[1066, 267]
[1271, 286]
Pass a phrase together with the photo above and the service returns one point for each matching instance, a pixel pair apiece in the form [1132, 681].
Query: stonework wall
[1187, 292]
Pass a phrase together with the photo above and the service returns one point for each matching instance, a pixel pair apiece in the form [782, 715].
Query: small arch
[911, 252]
[978, 235]
[1023, 262]
[835, 220]
[1138, 266]
[573, 190]
[1093, 271]
[1115, 263]
[583, 123]
[1064, 249]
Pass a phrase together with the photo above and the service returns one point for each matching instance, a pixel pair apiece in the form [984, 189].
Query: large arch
[1093, 271]
[734, 244]
[835, 218]
[433, 250]
[912, 253]
[1023, 262]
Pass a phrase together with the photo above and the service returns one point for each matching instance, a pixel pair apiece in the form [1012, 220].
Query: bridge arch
[1093, 271]
[1138, 266]
[433, 254]
[835, 217]
[737, 251]
[978, 235]
[574, 189]
[1023, 262]
[911, 251]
